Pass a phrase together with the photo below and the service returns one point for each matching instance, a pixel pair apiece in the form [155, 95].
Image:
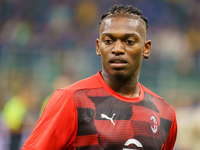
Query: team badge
[154, 124]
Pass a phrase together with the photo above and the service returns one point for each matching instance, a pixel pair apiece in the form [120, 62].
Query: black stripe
[110, 105]
[86, 124]
[165, 126]
[147, 102]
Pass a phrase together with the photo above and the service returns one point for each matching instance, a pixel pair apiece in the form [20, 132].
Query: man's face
[122, 45]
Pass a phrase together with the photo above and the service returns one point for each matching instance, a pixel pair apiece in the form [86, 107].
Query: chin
[121, 76]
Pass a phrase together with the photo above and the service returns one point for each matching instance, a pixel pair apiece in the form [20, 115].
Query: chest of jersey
[105, 122]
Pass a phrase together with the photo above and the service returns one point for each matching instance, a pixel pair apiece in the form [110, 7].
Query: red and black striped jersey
[89, 115]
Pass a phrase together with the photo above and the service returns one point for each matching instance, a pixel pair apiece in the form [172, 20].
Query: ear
[147, 49]
[98, 52]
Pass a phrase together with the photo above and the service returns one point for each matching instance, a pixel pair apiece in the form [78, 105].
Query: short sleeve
[57, 127]
[171, 139]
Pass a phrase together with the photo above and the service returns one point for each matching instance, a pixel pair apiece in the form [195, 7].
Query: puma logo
[108, 118]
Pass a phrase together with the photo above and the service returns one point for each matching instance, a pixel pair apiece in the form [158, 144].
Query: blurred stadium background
[48, 44]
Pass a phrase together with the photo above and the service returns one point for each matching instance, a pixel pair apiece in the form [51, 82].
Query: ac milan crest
[154, 124]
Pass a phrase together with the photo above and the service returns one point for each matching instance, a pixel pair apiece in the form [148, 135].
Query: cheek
[104, 59]
[136, 52]
[136, 56]
[103, 54]
[105, 50]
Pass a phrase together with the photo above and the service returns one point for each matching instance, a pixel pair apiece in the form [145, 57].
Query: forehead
[123, 25]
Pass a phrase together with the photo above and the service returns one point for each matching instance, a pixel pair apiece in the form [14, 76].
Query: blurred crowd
[49, 44]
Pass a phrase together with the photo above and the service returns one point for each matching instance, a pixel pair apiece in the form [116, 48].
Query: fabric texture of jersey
[89, 115]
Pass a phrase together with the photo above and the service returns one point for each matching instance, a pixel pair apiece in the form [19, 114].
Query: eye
[108, 41]
[130, 42]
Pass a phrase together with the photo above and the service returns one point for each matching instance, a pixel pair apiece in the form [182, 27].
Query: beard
[120, 76]
[125, 76]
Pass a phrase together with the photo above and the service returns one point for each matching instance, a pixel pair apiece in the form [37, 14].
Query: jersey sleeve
[57, 127]
[171, 139]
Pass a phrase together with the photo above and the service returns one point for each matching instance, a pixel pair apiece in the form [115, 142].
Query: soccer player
[110, 110]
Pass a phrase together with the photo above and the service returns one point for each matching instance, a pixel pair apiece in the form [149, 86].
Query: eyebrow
[124, 35]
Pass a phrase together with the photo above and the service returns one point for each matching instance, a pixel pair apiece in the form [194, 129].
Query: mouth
[117, 60]
[118, 63]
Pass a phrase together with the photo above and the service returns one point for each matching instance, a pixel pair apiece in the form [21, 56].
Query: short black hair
[128, 9]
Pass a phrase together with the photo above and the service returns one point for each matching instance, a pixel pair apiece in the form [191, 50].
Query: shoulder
[88, 83]
[150, 92]
[166, 110]
[66, 94]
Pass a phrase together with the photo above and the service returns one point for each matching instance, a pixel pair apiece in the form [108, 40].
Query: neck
[127, 87]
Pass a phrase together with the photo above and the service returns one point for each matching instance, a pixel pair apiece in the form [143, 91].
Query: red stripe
[86, 140]
[82, 100]
[162, 105]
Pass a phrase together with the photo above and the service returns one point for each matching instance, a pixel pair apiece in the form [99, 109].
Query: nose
[118, 48]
